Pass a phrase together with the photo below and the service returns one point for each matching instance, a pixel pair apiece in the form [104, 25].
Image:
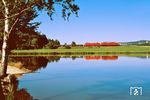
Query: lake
[79, 78]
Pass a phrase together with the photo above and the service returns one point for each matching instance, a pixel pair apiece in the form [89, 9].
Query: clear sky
[101, 20]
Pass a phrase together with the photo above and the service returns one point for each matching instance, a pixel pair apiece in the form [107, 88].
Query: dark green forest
[31, 40]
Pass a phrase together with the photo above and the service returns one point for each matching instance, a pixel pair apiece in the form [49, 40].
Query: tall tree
[11, 16]
[73, 44]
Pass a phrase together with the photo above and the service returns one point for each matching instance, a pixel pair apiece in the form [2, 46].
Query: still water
[81, 78]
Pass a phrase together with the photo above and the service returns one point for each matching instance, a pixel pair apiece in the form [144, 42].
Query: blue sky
[101, 20]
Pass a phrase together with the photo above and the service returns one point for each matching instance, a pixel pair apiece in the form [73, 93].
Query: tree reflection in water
[34, 63]
[9, 89]
[9, 84]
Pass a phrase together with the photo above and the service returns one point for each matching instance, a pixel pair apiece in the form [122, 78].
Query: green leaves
[24, 11]
[52, 44]
[16, 6]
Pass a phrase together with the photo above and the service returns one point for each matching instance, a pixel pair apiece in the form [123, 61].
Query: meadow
[86, 50]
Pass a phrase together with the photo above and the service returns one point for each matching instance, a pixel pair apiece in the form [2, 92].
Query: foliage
[52, 44]
[22, 12]
[32, 40]
[73, 44]
[13, 15]
[22, 36]
[66, 46]
[22, 9]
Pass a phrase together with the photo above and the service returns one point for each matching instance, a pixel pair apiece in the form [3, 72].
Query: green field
[87, 50]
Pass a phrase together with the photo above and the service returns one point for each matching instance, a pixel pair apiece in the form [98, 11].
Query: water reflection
[9, 84]
[34, 63]
[9, 89]
[101, 57]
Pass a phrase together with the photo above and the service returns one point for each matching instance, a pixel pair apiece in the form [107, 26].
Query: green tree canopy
[73, 44]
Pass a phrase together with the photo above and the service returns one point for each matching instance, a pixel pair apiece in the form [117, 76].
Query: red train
[88, 44]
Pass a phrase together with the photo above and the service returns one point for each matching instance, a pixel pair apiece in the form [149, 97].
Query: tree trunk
[1, 91]
[4, 60]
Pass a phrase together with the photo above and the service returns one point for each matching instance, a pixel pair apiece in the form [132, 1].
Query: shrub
[52, 44]
[67, 46]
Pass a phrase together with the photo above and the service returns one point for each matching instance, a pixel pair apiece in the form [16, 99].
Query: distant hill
[139, 43]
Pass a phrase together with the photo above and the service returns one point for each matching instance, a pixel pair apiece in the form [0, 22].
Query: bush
[73, 44]
[67, 46]
[52, 44]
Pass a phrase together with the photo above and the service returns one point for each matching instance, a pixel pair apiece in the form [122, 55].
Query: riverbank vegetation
[87, 50]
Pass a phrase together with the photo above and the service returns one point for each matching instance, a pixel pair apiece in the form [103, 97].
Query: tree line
[34, 40]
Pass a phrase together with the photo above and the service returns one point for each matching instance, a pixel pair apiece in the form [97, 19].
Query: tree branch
[1, 28]
[17, 14]
[13, 26]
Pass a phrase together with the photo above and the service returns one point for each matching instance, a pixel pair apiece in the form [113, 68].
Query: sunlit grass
[118, 49]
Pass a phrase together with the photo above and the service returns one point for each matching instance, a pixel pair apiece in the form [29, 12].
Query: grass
[86, 51]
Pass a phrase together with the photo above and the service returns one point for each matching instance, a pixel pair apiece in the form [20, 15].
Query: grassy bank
[86, 50]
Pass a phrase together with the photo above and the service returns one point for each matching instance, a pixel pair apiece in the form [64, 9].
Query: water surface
[85, 78]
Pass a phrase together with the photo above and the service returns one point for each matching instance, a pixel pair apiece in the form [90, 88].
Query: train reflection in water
[101, 57]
